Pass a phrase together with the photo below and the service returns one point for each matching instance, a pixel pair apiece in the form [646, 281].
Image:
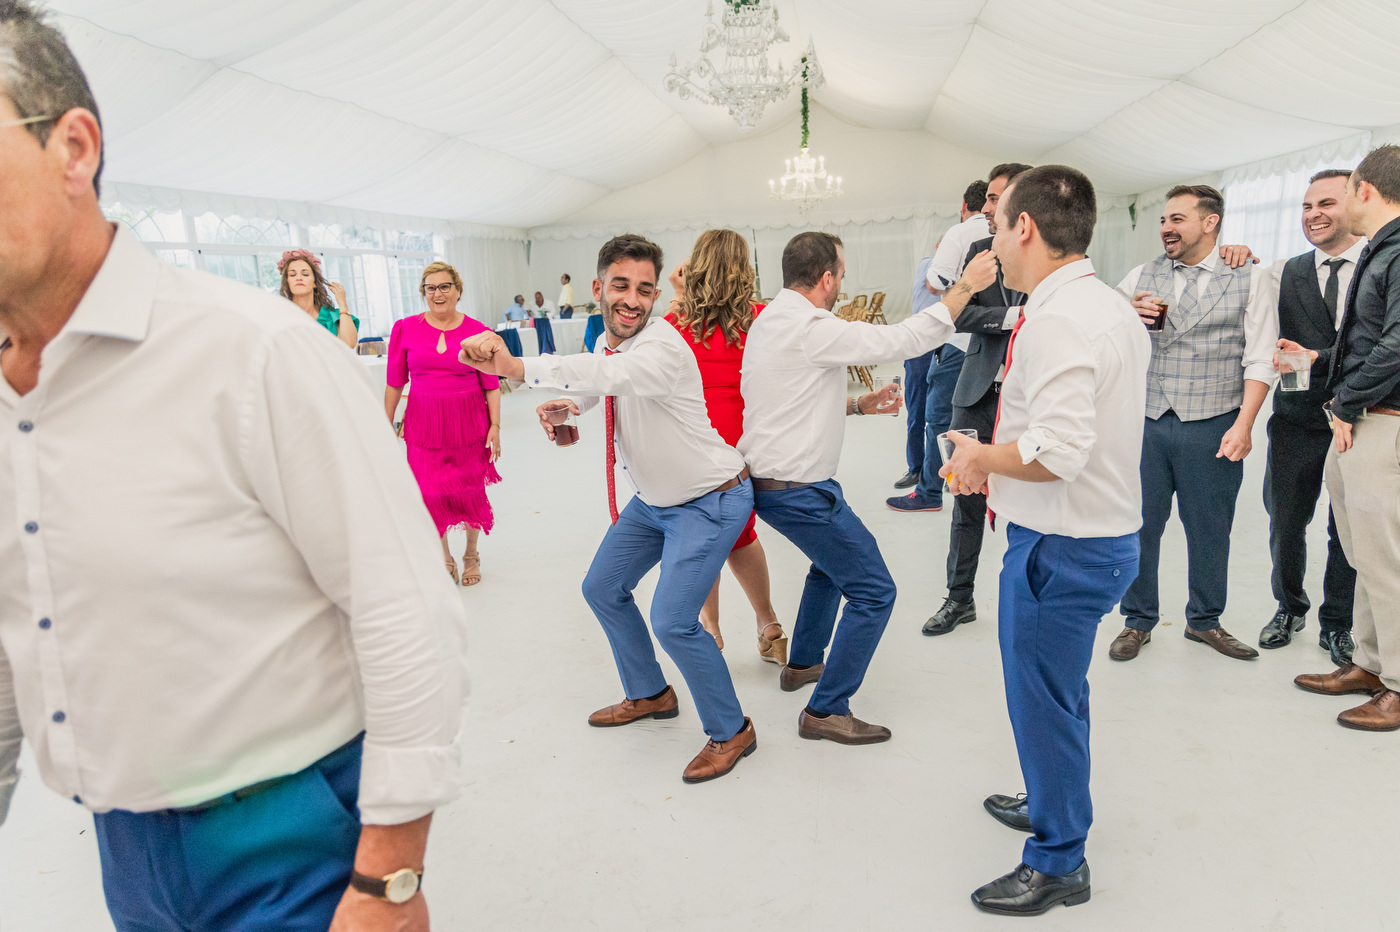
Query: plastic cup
[945, 447]
[565, 425]
[1163, 304]
[1294, 372]
[892, 410]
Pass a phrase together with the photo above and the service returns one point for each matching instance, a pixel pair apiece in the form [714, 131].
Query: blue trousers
[1054, 592]
[1178, 459]
[278, 859]
[938, 415]
[915, 390]
[691, 542]
[846, 562]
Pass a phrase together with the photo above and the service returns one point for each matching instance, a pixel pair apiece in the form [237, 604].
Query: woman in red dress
[713, 309]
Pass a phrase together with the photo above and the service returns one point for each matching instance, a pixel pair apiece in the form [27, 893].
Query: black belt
[778, 485]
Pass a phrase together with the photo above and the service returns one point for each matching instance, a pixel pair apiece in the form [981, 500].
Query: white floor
[1225, 798]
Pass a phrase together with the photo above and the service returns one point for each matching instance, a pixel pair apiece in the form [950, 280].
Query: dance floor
[1226, 799]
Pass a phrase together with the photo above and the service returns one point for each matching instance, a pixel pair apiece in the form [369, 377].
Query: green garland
[737, 4]
[805, 110]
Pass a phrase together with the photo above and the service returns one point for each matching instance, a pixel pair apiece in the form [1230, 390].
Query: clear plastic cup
[565, 425]
[890, 410]
[945, 447]
[1294, 372]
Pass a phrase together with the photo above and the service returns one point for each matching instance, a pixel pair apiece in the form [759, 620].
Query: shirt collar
[1079, 268]
[118, 302]
[1207, 264]
[630, 341]
[1352, 255]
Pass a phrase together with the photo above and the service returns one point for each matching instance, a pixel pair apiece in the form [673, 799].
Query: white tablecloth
[529, 339]
[568, 334]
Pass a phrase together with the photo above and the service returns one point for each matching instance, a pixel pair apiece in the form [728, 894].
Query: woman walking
[713, 309]
[305, 286]
[453, 421]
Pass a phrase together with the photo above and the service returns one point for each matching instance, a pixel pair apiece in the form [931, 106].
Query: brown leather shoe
[1341, 682]
[1382, 713]
[843, 729]
[791, 680]
[1127, 644]
[629, 710]
[1224, 642]
[717, 758]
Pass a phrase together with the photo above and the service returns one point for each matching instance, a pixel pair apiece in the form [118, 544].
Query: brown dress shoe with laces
[717, 758]
[1224, 642]
[1382, 713]
[1341, 681]
[1127, 644]
[843, 729]
[629, 710]
[791, 680]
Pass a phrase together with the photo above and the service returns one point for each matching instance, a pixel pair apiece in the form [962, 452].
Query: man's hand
[488, 352]
[886, 401]
[359, 912]
[1146, 306]
[1288, 346]
[542, 412]
[964, 471]
[1236, 443]
[1341, 434]
[1236, 256]
[980, 273]
[493, 442]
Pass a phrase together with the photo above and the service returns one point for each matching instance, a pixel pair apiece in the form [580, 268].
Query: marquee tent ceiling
[523, 112]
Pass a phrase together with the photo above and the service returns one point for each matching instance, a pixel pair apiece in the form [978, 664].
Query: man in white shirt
[540, 307]
[1212, 367]
[566, 297]
[1312, 299]
[693, 499]
[224, 627]
[1062, 473]
[794, 387]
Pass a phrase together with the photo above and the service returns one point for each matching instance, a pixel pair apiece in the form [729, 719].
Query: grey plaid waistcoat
[1197, 361]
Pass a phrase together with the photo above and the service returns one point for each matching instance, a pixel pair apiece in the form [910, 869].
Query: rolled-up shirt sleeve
[329, 472]
[10, 736]
[1060, 374]
[1261, 327]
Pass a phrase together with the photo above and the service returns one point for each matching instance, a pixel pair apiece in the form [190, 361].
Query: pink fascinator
[291, 254]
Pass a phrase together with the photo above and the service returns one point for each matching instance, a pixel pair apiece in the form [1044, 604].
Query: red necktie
[1010, 345]
[609, 420]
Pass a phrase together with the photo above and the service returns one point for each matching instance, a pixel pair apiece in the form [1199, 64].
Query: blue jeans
[691, 542]
[846, 562]
[1054, 592]
[915, 391]
[277, 859]
[938, 414]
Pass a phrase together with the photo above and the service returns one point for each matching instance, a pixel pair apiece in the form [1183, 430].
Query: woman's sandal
[471, 569]
[452, 570]
[773, 650]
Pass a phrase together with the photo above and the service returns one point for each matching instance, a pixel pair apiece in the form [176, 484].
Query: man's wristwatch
[398, 887]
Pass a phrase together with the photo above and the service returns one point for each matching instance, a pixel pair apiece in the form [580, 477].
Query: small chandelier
[806, 182]
[745, 84]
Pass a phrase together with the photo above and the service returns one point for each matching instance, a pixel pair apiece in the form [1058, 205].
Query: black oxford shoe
[1010, 811]
[1279, 631]
[1339, 644]
[952, 614]
[908, 480]
[1027, 892]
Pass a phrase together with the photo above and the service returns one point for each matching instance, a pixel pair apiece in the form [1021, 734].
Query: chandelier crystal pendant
[745, 83]
[806, 182]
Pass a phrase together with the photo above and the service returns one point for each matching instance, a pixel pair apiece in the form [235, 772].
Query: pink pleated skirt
[447, 451]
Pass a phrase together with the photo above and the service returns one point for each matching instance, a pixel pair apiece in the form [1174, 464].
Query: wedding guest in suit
[305, 286]
[712, 310]
[1212, 367]
[1363, 468]
[1312, 300]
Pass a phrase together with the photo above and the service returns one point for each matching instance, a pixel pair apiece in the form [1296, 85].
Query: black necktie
[1329, 292]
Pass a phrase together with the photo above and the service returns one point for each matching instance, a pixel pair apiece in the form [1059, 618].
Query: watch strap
[377, 887]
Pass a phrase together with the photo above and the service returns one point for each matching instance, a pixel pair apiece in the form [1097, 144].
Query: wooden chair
[877, 309]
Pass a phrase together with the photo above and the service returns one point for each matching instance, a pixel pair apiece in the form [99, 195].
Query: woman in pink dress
[453, 421]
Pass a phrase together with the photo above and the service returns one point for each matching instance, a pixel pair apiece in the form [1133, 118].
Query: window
[151, 225]
[1266, 214]
[241, 231]
[343, 237]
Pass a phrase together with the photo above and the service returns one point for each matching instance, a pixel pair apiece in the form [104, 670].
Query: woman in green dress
[305, 286]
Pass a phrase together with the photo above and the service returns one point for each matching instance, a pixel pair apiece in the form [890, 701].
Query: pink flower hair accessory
[292, 254]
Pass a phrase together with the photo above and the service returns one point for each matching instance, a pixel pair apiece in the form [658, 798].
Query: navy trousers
[846, 561]
[938, 415]
[691, 542]
[915, 390]
[1054, 592]
[277, 859]
[1178, 459]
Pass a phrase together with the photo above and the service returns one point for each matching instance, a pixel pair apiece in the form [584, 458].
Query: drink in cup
[889, 409]
[1294, 372]
[1162, 304]
[945, 446]
[565, 425]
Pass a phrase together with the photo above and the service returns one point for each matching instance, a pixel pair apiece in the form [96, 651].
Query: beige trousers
[1364, 484]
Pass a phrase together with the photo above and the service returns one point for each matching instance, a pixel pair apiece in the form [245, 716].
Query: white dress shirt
[1344, 273]
[794, 380]
[218, 567]
[668, 448]
[1260, 316]
[950, 258]
[1074, 399]
[541, 310]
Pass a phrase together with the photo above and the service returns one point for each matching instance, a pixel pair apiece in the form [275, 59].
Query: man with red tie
[693, 499]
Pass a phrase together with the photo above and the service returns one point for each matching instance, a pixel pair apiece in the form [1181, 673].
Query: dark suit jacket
[1365, 366]
[983, 318]
[1304, 318]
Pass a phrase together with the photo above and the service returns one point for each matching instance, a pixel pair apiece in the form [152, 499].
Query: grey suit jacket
[984, 317]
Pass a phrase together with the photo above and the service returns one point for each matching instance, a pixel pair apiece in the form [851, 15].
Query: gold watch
[398, 887]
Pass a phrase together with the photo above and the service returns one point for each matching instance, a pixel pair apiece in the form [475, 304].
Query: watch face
[402, 886]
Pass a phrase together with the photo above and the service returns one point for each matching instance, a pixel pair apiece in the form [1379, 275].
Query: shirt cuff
[1013, 314]
[1055, 455]
[539, 372]
[398, 785]
[1261, 372]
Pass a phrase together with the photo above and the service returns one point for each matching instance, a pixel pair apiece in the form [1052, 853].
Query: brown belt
[1379, 410]
[778, 485]
[732, 483]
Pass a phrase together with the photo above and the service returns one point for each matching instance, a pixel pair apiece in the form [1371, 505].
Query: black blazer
[1365, 366]
[983, 318]
[1303, 318]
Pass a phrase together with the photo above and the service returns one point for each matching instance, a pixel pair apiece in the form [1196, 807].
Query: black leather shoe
[1028, 892]
[1279, 631]
[1339, 644]
[952, 614]
[908, 480]
[1010, 811]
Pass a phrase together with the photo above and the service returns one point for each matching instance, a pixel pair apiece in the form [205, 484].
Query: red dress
[719, 373]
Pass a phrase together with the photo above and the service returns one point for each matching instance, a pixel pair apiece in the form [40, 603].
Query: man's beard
[608, 319]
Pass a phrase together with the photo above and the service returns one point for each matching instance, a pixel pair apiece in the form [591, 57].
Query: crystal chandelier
[745, 83]
[806, 182]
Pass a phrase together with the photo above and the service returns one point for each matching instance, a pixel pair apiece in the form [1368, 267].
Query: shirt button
[1117, 573]
[26, 426]
[31, 527]
[78, 800]
[45, 623]
[59, 718]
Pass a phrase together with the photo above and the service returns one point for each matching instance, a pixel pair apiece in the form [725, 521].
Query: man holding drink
[693, 498]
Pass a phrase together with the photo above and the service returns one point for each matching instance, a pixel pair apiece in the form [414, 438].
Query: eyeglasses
[26, 121]
[445, 289]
